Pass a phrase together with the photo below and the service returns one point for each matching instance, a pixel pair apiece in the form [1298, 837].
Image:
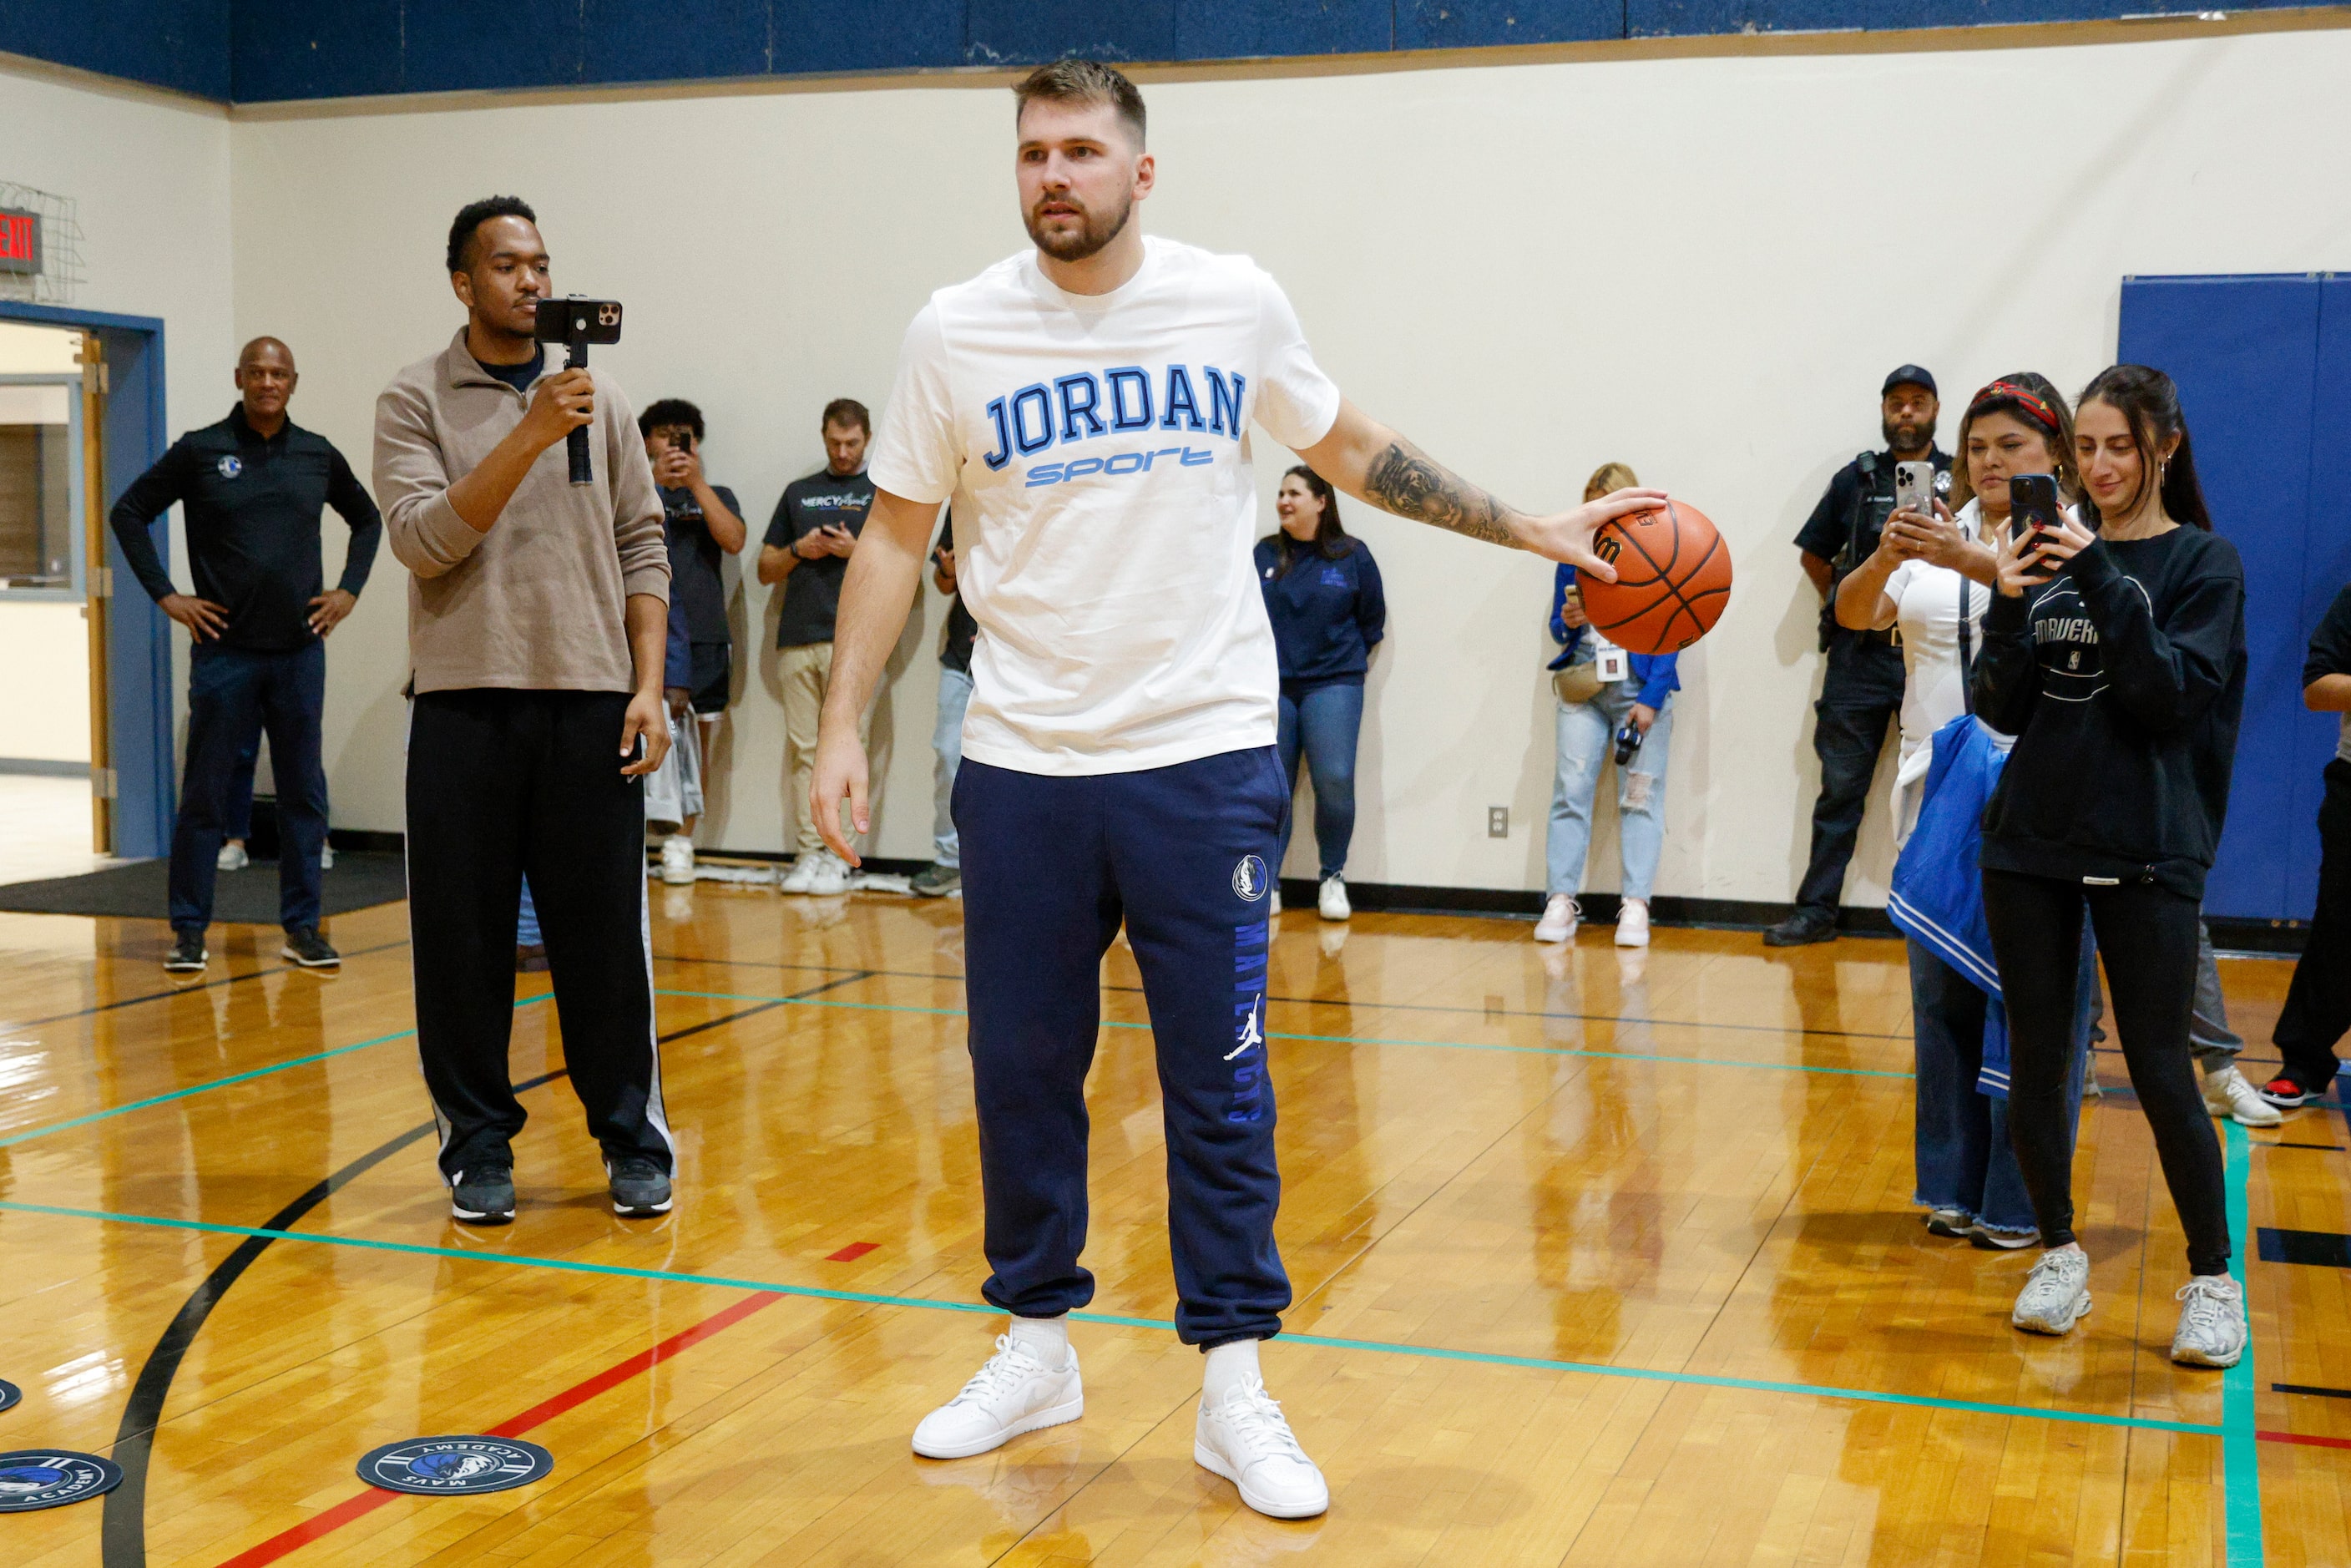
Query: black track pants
[2318, 1003]
[2147, 937]
[501, 783]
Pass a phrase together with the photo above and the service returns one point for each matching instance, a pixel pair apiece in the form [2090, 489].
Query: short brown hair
[1082, 81]
[1608, 478]
[848, 410]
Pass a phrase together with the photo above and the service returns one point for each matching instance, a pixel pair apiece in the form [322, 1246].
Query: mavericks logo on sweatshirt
[2072, 669]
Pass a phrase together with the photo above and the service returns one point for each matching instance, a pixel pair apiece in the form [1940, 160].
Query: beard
[1095, 230]
[1906, 436]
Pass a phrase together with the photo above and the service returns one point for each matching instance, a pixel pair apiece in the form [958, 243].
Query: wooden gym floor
[1599, 1258]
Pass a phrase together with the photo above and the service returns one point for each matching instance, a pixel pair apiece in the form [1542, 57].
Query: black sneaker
[936, 880]
[484, 1197]
[187, 955]
[639, 1190]
[309, 949]
[2279, 1091]
[1806, 926]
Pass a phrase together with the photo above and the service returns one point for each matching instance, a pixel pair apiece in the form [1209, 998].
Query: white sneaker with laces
[803, 873]
[2211, 1322]
[677, 859]
[1014, 1393]
[1245, 1439]
[2227, 1093]
[1633, 922]
[1332, 902]
[1559, 920]
[830, 877]
[232, 857]
[2056, 1294]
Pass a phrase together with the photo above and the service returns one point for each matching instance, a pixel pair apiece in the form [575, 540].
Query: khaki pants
[807, 672]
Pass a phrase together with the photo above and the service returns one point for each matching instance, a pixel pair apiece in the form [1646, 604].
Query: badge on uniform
[230, 466]
[1613, 665]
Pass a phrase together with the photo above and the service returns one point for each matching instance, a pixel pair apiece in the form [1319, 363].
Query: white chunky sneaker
[232, 856]
[677, 859]
[1633, 922]
[1273, 904]
[830, 877]
[1014, 1393]
[326, 857]
[1332, 902]
[1244, 1439]
[2226, 1093]
[1559, 919]
[2211, 1322]
[2056, 1294]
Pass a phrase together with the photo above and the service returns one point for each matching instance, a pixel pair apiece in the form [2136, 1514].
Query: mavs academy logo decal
[455, 1467]
[10, 1395]
[34, 1479]
[1250, 879]
[230, 466]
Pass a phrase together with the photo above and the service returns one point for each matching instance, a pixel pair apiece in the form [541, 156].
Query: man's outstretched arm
[875, 594]
[1374, 463]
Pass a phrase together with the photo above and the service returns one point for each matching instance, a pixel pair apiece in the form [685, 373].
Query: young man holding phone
[703, 525]
[806, 549]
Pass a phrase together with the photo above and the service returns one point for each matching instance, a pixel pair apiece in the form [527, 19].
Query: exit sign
[20, 241]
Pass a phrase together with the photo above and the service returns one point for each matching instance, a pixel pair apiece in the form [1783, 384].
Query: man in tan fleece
[535, 618]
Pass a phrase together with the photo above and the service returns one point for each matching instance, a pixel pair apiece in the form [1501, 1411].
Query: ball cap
[1909, 375]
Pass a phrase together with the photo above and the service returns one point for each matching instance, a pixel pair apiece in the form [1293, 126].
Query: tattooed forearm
[1403, 480]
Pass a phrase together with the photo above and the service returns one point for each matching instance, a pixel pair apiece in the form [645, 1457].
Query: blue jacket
[1658, 673]
[1937, 899]
[1326, 613]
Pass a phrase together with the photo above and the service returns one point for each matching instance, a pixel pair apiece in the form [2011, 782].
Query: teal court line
[44, 1132]
[2240, 1455]
[924, 1303]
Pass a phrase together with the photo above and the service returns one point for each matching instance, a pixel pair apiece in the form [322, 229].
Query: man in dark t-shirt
[2318, 1003]
[806, 549]
[703, 525]
[944, 875]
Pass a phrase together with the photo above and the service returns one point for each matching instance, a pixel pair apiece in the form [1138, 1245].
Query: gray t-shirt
[812, 593]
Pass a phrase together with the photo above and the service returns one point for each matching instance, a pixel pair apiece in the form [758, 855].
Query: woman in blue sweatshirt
[2118, 660]
[1322, 595]
[1636, 703]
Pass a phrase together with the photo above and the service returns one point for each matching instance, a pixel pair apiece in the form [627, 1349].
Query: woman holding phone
[2114, 653]
[1933, 577]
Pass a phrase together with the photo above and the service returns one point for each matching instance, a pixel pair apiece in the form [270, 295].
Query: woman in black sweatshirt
[2118, 660]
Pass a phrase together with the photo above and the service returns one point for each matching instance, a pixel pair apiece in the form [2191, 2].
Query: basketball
[1673, 579]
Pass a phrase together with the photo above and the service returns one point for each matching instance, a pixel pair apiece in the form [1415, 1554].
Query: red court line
[611, 1377]
[853, 1252]
[2299, 1437]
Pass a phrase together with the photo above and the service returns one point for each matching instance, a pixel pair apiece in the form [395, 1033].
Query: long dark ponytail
[1330, 540]
[2149, 402]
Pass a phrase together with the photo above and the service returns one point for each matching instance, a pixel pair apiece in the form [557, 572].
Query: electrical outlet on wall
[1497, 822]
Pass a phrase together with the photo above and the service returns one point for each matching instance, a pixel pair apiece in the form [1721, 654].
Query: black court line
[2310, 1389]
[190, 989]
[2281, 1144]
[123, 1532]
[2316, 1249]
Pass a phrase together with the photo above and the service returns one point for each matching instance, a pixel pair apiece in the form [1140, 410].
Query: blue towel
[1937, 895]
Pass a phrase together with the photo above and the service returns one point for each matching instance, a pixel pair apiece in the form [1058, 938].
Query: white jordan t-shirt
[1099, 447]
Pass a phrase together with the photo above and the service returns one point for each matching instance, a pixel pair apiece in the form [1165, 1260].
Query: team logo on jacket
[230, 466]
[34, 1479]
[1250, 879]
[458, 1467]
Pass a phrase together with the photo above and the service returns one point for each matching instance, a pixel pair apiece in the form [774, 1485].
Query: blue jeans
[527, 932]
[1964, 1160]
[1587, 739]
[234, 695]
[1322, 720]
[947, 740]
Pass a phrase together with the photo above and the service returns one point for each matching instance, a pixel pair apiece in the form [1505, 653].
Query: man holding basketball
[1086, 404]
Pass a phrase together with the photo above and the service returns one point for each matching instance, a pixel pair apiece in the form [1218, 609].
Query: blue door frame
[139, 643]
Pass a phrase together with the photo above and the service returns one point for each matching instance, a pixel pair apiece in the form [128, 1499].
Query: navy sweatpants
[1184, 855]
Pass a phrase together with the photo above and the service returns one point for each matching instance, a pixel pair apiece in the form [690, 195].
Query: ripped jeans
[1587, 739]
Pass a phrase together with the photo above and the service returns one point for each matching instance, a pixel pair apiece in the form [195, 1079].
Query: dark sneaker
[936, 881]
[1991, 1239]
[1802, 928]
[1950, 1222]
[187, 955]
[310, 950]
[484, 1197]
[2279, 1090]
[531, 958]
[640, 1191]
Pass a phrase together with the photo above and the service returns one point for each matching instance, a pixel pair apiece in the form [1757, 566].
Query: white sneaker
[2056, 1294]
[830, 877]
[1333, 904]
[232, 857]
[677, 859]
[1244, 1439]
[1014, 1393]
[1633, 922]
[1559, 919]
[2228, 1094]
[326, 857]
[801, 878]
[1273, 904]
[2211, 1322]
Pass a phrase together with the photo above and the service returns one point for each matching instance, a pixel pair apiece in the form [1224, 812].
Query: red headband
[2031, 403]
